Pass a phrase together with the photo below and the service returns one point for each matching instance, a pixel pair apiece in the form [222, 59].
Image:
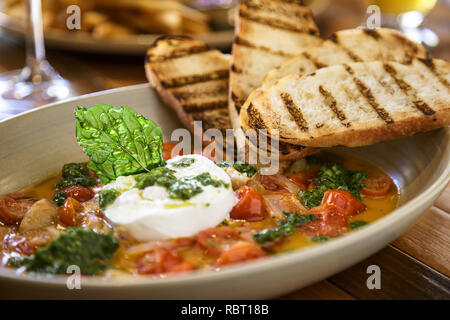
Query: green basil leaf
[118, 141]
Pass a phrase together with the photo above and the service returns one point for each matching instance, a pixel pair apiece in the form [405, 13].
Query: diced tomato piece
[162, 260]
[344, 201]
[182, 267]
[332, 214]
[330, 222]
[240, 252]
[302, 180]
[251, 205]
[378, 186]
[79, 193]
[92, 174]
[13, 207]
[312, 185]
[184, 242]
[215, 240]
[167, 151]
[67, 213]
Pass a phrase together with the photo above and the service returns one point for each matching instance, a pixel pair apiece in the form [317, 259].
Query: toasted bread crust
[376, 100]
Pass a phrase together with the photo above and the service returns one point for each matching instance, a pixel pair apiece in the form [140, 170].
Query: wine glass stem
[35, 48]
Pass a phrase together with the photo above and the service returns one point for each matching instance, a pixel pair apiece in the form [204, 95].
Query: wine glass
[408, 15]
[37, 82]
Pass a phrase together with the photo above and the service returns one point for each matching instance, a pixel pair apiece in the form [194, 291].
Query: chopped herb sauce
[320, 238]
[107, 197]
[333, 177]
[285, 227]
[183, 163]
[75, 174]
[183, 188]
[239, 166]
[357, 224]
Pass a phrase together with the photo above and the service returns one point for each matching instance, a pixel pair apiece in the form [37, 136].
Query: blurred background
[94, 45]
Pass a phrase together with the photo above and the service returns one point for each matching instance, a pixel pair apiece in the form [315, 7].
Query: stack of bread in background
[105, 19]
[356, 88]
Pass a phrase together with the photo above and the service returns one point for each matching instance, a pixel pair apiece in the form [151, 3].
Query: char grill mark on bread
[178, 53]
[317, 64]
[192, 79]
[372, 33]
[353, 56]
[330, 101]
[368, 95]
[255, 118]
[172, 49]
[248, 44]
[192, 107]
[431, 66]
[380, 101]
[408, 90]
[294, 111]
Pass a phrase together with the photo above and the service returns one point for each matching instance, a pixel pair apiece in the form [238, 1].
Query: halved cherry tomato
[184, 242]
[344, 201]
[67, 213]
[251, 205]
[215, 240]
[182, 267]
[378, 186]
[240, 252]
[302, 180]
[79, 193]
[13, 207]
[330, 221]
[162, 260]
[167, 150]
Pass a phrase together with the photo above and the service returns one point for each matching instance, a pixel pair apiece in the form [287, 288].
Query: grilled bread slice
[192, 79]
[347, 46]
[267, 33]
[355, 104]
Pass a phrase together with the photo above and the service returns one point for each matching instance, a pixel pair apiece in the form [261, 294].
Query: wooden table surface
[415, 266]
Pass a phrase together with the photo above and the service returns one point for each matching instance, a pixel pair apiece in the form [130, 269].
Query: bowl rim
[272, 262]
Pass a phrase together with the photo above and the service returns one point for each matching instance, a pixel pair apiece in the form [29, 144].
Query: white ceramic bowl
[37, 143]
